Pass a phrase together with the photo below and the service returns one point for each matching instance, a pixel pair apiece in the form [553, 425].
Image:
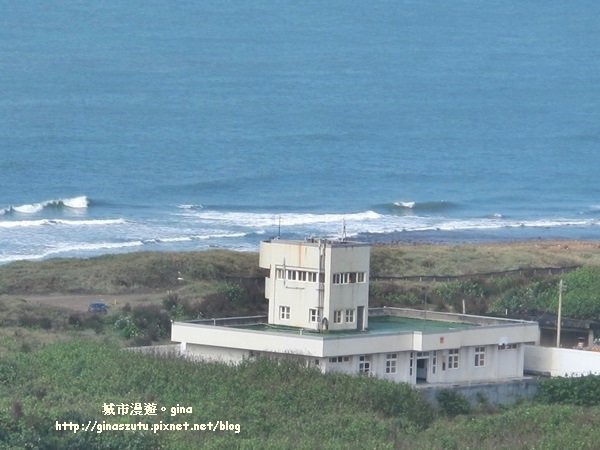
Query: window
[337, 316]
[349, 315]
[433, 361]
[479, 356]
[296, 275]
[507, 346]
[284, 312]
[390, 362]
[313, 315]
[453, 359]
[364, 364]
[349, 277]
[339, 359]
[411, 363]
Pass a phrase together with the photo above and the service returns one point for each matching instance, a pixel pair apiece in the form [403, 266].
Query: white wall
[561, 362]
[301, 296]
[217, 354]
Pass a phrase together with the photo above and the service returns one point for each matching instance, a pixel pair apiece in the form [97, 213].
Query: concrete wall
[561, 362]
[157, 350]
[340, 259]
[502, 393]
[298, 295]
[301, 295]
[216, 354]
[240, 339]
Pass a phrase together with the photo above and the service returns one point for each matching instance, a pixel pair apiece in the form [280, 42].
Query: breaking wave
[195, 237]
[54, 222]
[265, 220]
[195, 227]
[423, 207]
[73, 248]
[79, 203]
[190, 206]
[363, 222]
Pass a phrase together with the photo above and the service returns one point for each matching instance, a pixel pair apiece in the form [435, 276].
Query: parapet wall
[561, 362]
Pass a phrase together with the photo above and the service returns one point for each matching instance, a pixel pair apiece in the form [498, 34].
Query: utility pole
[561, 287]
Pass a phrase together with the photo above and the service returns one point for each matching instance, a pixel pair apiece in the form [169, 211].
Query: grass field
[58, 362]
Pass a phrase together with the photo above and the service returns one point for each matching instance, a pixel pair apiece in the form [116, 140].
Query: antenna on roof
[343, 229]
[279, 228]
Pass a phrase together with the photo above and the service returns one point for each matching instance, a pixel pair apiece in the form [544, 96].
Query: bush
[180, 309]
[581, 299]
[572, 390]
[126, 327]
[152, 321]
[245, 297]
[86, 320]
[149, 323]
[452, 403]
[34, 321]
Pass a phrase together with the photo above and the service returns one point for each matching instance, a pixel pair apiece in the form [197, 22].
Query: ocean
[156, 125]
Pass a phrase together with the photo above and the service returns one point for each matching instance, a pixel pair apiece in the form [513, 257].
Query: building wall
[434, 356]
[429, 367]
[321, 276]
[297, 295]
[216, 354]
[347, 262]
[561, 362]
[494, 363]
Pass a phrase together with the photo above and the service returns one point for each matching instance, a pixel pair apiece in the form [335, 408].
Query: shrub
[452, 403]
[152, 321]
[34, 321]
[86, 320]
[573, 390]
[581, 299]
[126, 327]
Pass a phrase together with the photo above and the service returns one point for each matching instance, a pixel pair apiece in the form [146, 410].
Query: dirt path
[81, 302]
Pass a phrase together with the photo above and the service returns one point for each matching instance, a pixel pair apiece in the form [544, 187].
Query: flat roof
[317, 241]
[377, 325]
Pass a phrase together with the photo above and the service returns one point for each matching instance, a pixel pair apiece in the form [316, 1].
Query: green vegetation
[574, 391]
[211, 278]
[62, 363]
[452, 403]
[277, 405]
[120, 274]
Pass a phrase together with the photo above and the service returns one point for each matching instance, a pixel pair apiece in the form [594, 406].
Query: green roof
[377, 325]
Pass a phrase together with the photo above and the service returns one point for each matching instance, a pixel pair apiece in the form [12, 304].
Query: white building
[318, 313]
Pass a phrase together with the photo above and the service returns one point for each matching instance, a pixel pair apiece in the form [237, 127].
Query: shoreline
[35, 248]
[460, 237]
[399, 239]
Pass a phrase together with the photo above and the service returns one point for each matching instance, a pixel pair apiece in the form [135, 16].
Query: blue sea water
[155, 125]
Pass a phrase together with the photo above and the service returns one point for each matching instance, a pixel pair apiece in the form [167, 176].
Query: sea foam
[52, 222]
[80, 202]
